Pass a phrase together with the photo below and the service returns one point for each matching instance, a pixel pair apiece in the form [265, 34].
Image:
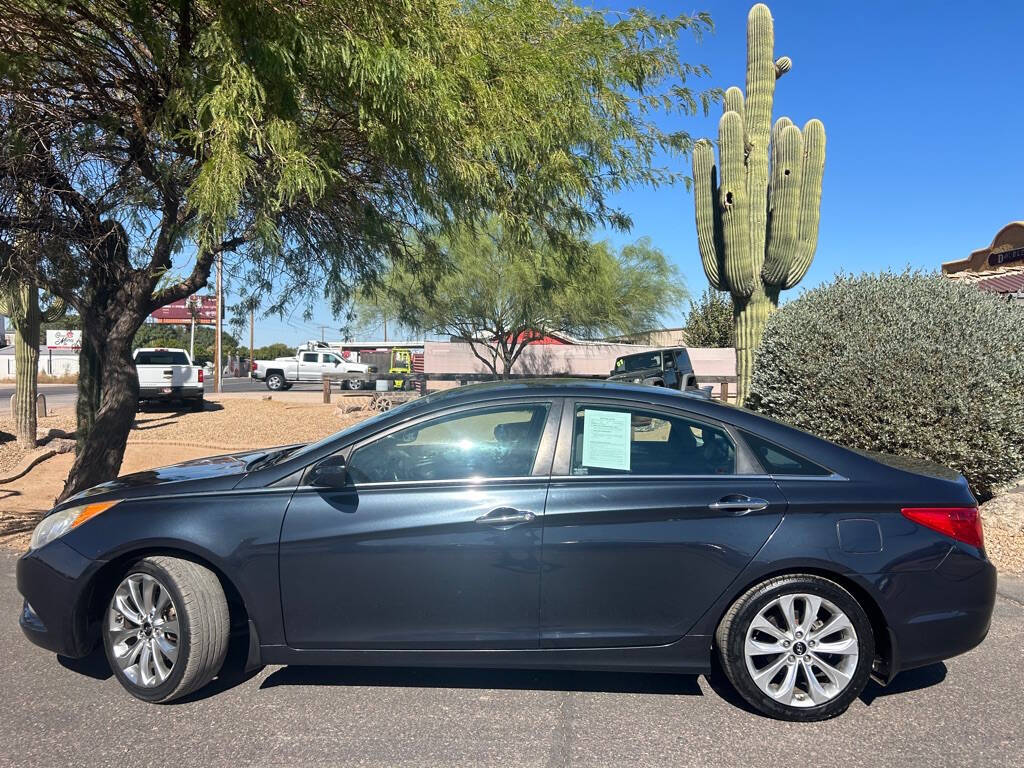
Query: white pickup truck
[309, 364]
[168, 375]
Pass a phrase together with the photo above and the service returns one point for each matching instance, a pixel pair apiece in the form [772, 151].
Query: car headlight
[56, 525]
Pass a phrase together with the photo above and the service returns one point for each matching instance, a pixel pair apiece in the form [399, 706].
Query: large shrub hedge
[910, 364]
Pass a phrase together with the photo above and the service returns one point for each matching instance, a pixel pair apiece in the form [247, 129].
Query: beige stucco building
[998, 268]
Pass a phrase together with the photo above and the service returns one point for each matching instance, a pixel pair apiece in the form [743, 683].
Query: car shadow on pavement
[502, 679]
[904, 682]
[94, 665]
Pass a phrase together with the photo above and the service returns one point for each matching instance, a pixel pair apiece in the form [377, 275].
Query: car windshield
[161, 357]
[638, 362]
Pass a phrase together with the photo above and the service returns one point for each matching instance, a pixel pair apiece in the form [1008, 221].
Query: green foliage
[498, 292]
[909, 364]
[178, 336]
[757, 224]
[273, 351]
[709, 322]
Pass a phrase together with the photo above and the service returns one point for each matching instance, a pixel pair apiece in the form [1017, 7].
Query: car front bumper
[56, 583]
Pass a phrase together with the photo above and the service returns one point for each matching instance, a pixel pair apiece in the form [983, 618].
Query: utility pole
[220, 309]
[252, 335]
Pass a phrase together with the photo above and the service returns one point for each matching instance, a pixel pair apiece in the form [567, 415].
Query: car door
[433, 543]
[309, 366]
[651, 514]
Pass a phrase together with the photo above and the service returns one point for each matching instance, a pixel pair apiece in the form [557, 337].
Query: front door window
[487, 443]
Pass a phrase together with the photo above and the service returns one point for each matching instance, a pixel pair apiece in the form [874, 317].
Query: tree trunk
[90, 384]
[749, 318]
[101, 448]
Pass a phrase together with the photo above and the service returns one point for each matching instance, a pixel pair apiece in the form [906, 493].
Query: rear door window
[608, 440]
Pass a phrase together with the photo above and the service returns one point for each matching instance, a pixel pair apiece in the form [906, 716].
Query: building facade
[998, 268]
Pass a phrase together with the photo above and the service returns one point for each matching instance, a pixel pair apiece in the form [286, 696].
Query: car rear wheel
[166, 628]
[797, 647]
[275, 381]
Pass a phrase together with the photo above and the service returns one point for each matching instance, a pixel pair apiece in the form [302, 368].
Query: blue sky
[923, 105]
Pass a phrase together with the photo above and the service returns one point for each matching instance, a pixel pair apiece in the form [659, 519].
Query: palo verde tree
[499, 294]
[307, 143]
[20, 302]
[709, 323]
[757, 225]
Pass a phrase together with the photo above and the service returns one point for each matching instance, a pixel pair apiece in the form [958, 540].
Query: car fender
[238, 538]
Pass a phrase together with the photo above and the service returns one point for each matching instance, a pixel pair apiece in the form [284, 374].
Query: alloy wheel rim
[801, 650]
[142, 625]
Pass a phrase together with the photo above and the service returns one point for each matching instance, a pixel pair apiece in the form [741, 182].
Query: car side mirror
[329, 473]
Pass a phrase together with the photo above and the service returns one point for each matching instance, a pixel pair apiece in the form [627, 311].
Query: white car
[168, 374]
[309, 364]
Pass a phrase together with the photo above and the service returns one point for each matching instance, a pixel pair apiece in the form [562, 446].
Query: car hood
[209, 473]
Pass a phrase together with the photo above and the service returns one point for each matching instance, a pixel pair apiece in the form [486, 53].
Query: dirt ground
[161, 437]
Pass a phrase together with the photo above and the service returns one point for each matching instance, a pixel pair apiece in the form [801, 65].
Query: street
[59, 712]
[63, 395]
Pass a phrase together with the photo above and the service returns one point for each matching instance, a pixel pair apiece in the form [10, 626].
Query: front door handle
[738, 504]
[506, 516]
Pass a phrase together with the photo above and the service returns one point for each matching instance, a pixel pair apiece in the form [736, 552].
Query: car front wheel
[797, 647]
[166, 628]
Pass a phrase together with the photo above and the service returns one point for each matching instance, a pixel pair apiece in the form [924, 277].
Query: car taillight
[200, 375]
[254, 366]
[961, 523]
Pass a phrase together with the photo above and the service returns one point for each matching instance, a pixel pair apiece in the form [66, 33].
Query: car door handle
[506, 516]
[740, 505]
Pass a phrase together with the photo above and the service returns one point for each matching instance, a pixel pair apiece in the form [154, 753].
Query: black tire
[276, 382]
[204, 627]
[356, 384]
[731, 636]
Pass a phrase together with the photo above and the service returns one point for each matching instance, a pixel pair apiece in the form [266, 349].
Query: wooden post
[725, 392]
[327, 390]
[40, 404]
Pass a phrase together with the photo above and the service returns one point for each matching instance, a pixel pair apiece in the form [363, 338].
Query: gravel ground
[242, 423]
[11, 455]
[1003, 518]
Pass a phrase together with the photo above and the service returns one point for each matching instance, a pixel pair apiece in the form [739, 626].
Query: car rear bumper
[170, 393]
[938, 614]
[55, 582]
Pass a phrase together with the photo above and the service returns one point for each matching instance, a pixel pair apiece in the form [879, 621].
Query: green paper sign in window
[606, 437]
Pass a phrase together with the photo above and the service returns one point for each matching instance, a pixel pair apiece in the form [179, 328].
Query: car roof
[566, 387]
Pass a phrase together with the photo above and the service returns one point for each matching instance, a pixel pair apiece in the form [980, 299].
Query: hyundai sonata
[545, 524]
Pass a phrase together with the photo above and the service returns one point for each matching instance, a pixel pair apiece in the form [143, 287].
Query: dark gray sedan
[547, 524]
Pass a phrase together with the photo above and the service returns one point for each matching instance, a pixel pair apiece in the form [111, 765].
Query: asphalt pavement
[966, 712]
[64, 395]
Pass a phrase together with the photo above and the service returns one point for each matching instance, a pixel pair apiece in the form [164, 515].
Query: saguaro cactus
[757, 225]
[20, 302]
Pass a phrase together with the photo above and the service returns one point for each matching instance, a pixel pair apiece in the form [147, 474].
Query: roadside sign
[71, 340]
[181, 312]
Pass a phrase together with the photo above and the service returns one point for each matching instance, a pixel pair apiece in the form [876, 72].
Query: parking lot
[57, 712]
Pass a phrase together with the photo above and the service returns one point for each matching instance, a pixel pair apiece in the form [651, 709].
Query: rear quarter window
[777, 460]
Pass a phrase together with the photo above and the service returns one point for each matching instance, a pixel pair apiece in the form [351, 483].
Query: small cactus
[757, 225]
[20, 302]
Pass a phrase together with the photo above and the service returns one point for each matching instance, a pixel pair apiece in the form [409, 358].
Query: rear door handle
[506, 516]
[740, 505]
